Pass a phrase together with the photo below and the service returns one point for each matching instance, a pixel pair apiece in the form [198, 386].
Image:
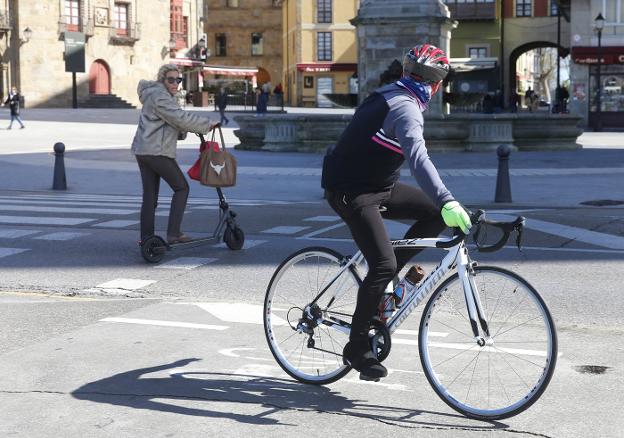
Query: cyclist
[360, 177]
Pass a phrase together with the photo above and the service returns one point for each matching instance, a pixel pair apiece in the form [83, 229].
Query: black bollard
[503, 185]
[59, 183]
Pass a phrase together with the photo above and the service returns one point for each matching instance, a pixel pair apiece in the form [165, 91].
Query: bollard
[503, 185]
[59, 183]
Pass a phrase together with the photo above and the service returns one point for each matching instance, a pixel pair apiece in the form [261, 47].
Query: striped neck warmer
[418, 89]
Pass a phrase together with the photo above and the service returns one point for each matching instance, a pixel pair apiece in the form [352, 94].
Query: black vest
[364, 160]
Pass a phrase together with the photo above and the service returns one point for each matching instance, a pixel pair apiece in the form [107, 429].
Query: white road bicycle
[487, 341]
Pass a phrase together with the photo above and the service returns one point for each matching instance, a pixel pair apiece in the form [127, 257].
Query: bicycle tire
[292, 281]
[466, 391]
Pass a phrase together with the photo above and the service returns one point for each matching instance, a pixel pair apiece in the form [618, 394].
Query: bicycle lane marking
[576, 234]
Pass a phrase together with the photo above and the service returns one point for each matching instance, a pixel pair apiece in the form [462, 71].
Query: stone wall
[42, 77]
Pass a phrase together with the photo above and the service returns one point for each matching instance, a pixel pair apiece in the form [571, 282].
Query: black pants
[223, 117]
[154, 167]
[363, 216]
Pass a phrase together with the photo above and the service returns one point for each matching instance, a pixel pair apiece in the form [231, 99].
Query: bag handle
[212, 138]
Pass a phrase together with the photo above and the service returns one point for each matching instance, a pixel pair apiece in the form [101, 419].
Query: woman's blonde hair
[164, 69]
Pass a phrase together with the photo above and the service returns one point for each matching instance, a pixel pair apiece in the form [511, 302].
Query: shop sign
[589, 55]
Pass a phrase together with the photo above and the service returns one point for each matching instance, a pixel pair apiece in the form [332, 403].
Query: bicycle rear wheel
[512, 369]
[306, 348]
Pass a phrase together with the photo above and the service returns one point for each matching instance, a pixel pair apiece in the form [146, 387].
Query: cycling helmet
[426, 63]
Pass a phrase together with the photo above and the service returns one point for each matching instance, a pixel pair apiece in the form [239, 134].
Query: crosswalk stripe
[284, 229]
[118, 223]
[16, 234]
[44, 220]
[238, 312]
[186, 263]
[4, 252]
[48, 209]
[157, 322]
[61, 235]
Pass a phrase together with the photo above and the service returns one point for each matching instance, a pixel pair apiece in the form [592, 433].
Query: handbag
[217, 165]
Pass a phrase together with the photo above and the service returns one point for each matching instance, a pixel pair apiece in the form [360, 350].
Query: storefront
[611, 84]
[317, 80]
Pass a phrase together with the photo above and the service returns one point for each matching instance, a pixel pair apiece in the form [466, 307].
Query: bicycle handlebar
[478, 219]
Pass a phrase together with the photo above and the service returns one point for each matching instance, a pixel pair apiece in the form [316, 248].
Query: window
[554, 9]
[523, 8]
[256, 44]
[324, 46]
[220, 44]
[72, 14]
[232, 3]
[477, 52]
[613, 11]
[120, 18]
[323, 11]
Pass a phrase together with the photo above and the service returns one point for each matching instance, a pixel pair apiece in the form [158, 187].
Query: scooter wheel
[234, 238]
[153, 249]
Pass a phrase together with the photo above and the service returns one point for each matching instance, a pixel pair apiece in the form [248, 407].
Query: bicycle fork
[475, 310]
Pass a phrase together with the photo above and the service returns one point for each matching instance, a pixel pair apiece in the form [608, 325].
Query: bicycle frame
[457, 258]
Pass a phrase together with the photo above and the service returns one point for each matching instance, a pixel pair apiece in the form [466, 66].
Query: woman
[14, 102]
[161, 123]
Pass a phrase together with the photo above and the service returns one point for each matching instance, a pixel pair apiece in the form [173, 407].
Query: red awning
[230, 71]
[186, 62]
[319, 67]
[589, 55]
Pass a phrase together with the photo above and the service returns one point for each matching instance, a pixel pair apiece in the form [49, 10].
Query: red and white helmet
[426, 63]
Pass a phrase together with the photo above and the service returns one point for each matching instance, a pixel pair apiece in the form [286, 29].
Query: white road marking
[127, 204]
[248, 244]
[160, 323]
[4, 252]
[322, 219]
[47, 209]
[495, 349]
[15, 234]
[115, 224]
[61, 235]
[187, 263]
[324, 230]
[238, 312]
[125, 283]
[415, 333]
[44, 220]
[284, 230]
[229, 352]
[573, 233]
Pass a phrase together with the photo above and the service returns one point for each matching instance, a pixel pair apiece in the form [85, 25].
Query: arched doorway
[518, 51]
[99, 78]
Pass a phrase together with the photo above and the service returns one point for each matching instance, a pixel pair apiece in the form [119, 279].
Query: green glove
[454, 215]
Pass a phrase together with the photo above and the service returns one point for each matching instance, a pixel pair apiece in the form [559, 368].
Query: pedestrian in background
[14, 103]
[222, 101]
[161, 123]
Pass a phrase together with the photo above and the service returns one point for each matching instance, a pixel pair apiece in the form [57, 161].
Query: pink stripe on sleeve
[387, 145]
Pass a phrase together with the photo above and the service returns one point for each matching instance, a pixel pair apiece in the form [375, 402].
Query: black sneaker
[361, 358]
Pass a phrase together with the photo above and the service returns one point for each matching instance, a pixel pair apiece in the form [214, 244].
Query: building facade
[584, 66]
[504, 31]
[320, 51]
[125, 41]
[244, 42]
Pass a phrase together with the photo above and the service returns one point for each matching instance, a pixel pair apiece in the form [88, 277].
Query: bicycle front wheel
[506, 372]
[310, 348]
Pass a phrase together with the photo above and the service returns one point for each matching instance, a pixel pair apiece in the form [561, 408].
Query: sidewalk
[98, 161]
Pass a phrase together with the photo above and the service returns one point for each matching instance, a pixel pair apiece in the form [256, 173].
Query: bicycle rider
[360, 176]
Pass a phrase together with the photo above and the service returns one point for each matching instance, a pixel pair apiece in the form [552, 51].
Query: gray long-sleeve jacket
[162, 120]
[386, 130]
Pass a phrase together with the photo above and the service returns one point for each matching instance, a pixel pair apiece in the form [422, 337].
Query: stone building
[125, 41]
[244, 42]
[320, 50]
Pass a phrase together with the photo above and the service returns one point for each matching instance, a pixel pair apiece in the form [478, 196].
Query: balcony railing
[472, 10]
[5, 22]
[125, 36]
[75, 24]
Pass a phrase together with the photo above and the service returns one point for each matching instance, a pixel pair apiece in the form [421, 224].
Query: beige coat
[162, 120]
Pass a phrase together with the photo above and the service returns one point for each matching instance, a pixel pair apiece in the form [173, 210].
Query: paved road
[95, 342]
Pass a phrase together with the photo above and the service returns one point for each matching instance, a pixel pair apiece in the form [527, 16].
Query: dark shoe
[22, 127]
[361, 358]
[182, 238]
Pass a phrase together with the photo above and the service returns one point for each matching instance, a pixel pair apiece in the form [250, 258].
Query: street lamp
[26, 35]
[598, 26]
